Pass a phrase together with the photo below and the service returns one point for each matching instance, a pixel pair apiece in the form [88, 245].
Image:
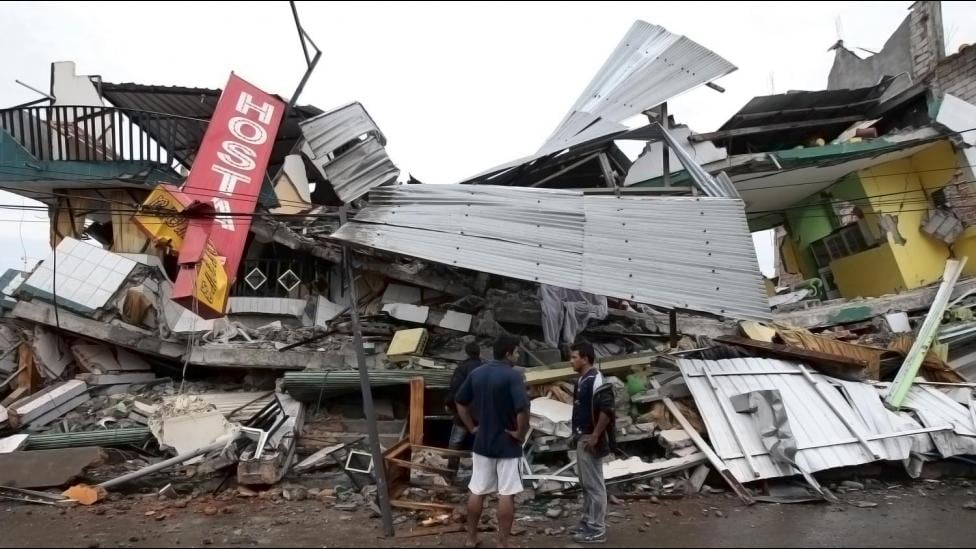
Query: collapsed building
[151, 324]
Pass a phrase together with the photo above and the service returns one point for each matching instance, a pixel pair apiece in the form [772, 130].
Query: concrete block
[116, 379]
[58, 412]
[454, 320]
[47, 468]
[191, 431]
[30, 408]
[407, 312]
[400, 293]
[50, 353]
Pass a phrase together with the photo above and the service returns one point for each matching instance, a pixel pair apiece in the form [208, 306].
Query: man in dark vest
[593, 430]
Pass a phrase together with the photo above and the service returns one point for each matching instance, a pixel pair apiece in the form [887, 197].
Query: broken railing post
[926, 335]
[382, 491]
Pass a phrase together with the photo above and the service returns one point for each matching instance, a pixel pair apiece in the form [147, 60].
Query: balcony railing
[103, 134]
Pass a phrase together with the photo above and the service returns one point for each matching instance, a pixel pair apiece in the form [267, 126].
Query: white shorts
[490, 475]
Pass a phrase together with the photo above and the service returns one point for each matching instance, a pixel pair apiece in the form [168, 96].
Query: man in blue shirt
[593, 424]
[494, 405]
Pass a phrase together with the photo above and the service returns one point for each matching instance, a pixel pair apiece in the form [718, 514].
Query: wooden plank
[417, 411]
[421, 466]
[422, 506]
[846, 367]
[432, 532]
[738, 132]
[713, 458]
[539, 377]
[442, 451]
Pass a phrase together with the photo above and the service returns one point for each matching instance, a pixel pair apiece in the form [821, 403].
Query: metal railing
[103, 134]
[271, 278]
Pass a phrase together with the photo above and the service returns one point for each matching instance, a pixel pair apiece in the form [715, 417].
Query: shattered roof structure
[767, 121]
[648, 67]
[686, 252]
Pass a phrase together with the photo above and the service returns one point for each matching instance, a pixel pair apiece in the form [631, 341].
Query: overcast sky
[456, 88]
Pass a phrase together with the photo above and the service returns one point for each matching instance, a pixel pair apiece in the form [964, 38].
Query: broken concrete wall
[911, 53]
[956, 75]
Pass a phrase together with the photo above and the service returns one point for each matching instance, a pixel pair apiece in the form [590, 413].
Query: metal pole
[721, 399]
[665, 149]
[382, 491]
[850, 427]
[165, 464]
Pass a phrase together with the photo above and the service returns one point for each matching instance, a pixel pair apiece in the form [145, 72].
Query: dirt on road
[918, 514]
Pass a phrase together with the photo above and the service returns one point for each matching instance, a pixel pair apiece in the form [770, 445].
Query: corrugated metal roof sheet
[935, 408]
[687, 252]
[327, 132]
[648, 67]
[824, 442]
[353, 172]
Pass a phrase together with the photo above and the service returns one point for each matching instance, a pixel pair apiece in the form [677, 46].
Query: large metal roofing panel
[693, 253]
[328, 131]
[648, 67]
[934, 408]
[824, 442]
[361, 168]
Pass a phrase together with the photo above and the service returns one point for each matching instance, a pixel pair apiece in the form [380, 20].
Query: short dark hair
[473, 350]
[586, 350]
[505, 344]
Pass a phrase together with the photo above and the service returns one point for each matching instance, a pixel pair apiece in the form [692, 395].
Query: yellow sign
[212, 287]
[164, 230]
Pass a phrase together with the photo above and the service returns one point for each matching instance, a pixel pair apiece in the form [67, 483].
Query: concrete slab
[191, 431]
[50, 353]
[26, 410]
[13, 443]
[116, 379]
[47, 468]
[454, 320]
[57, 413]
[400, 293]
[326, 310]
[407, 312]
[102, 359]
[136, 340]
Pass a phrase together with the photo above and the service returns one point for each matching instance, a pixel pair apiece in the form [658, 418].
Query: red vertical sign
[225, 182]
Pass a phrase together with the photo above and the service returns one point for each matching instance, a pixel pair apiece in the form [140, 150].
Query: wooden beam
[420, 466]
[539, 377]
[441, 451]
[432, 532]
[713, 458]
[843, 366]
[416, 411]
[421, 506]
[739, 132]
[563, 171]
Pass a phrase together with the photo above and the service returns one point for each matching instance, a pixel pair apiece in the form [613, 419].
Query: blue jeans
[459, 434]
